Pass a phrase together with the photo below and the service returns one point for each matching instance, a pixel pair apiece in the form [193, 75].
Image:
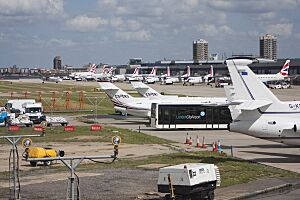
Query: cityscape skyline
[112, 31]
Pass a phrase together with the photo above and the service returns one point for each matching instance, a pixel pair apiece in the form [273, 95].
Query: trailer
[189, 181]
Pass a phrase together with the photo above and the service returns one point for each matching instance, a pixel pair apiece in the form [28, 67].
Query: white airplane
[141, 107]
[284, 73]
[55, 79]
[207, 78]
[260, 113]
[188, 79]
[84, 74]
[152, 77]
[148, 92]
[123, 77]
[104, 75]
[168, 79]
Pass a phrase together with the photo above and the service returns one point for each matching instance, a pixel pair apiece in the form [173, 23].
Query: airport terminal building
[201, 68]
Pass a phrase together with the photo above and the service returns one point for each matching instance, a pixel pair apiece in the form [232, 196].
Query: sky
[33, 32]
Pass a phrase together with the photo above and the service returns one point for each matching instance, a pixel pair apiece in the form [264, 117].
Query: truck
[28, 112]
[189, 180]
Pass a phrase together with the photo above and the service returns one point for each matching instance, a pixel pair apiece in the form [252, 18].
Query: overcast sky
[32, 32]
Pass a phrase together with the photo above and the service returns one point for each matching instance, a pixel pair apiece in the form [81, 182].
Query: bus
[189, 116]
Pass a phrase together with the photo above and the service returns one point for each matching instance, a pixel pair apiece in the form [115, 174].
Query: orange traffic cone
[198, 142]
[191, 141]
[187, 139]
[203, 143]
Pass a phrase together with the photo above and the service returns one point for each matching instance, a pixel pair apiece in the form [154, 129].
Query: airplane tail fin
[211, 73]
[104, 69]
[247, 86]
[285, 68]
[153, 71]
[144, 90]
[188, 72]
[115, 93]
[136, 71]
[93, 68]
[168, 71]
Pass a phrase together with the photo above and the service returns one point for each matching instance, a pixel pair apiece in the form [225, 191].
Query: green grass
[57, 134]
[233, 171]
[104, 106]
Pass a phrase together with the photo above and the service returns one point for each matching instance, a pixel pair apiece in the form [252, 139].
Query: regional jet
[260, 113]
[280, 76]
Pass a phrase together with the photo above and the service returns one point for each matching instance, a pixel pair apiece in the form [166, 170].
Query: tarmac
[241, 146]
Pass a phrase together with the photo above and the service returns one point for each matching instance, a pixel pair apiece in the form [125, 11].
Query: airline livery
[260, 113]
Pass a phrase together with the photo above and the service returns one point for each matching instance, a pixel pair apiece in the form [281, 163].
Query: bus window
[225, 116]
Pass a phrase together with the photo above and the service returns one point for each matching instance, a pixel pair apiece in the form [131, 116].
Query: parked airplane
[207, 78]
[104, 75]
[284, 73]
[84, 74]
[168, 79]
[152, 77]
[123, 77]
[126, 104]
[260, 113]
[148, 92]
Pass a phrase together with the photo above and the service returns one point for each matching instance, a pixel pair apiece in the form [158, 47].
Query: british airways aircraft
[259, 112]
[284, 73]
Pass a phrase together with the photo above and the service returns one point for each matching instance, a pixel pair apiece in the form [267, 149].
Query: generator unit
[40, 152]
[190, 180]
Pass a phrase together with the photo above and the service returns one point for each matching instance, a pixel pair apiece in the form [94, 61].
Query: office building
[200, 50]
[268, 47]
[57, 63]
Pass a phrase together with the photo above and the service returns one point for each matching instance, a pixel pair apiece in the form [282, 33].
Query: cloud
[213, 30]
[252, 6]
[141, 35]
[31, 7]
[84, 23]
[284, 30]
[54, 42]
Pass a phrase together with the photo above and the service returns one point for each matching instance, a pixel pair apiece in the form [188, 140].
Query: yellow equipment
[39, 152]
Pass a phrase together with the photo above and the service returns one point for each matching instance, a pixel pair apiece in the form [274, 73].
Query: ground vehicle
[3, 118]
[188, 115]
[39, 152]
[190, 180]
[18, 105]
[28, 112]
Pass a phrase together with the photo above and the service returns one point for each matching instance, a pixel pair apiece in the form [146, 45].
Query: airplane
[148, 92]
[141, 107]
[207, 78]
[104, 75]
[188, 79]
[152, 77]
[124, 77]
[258, 112]
[168, 79]
[84, 74]
[55, 79]
[284, 73]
